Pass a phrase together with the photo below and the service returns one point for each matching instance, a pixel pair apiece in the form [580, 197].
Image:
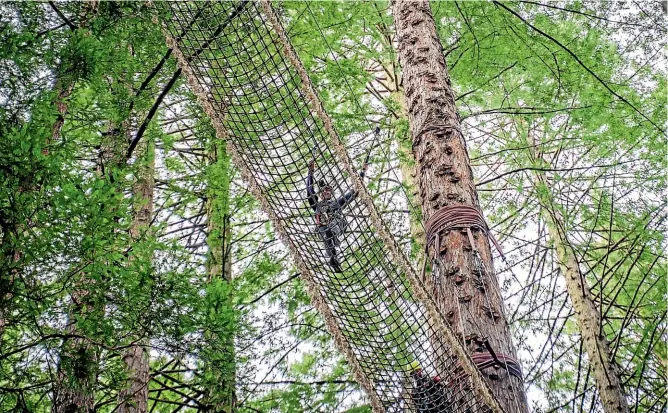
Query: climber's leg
[330, 241]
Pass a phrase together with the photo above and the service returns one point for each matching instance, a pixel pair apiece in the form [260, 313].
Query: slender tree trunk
[78, 356]
[407, 167]
[221, 394]
[594, 341]
[134, 398]
[77, 367]
[75, 375]
[463, 283]
[11, 257]
[73, 389]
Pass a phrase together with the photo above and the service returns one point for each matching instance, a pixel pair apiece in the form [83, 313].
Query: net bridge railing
[240, 64]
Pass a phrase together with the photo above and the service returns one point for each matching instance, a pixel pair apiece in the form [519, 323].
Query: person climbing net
[223, 49]
[330, 221]
[428, 393]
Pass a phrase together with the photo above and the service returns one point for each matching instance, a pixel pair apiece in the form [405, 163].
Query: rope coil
[456, 217]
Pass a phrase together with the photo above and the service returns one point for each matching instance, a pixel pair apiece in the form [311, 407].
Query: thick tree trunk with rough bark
[594, 342]
[463, 282]
[134, 398]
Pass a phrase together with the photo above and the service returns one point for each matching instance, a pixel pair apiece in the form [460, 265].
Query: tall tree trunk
[134, 398]
[463, 283]
[11, 257]
[594, 341]
[78, 356]
[76, 374]
[407, 167]
[73, 389]
[221, 395]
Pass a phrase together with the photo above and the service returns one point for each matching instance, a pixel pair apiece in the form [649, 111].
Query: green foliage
[64, 225]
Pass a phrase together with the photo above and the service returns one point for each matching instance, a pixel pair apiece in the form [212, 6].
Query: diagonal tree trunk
[407, 167]
[595, 343]
[463, 283]
[134, 398]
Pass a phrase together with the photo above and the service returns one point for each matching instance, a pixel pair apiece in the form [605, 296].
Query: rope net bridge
[241, 66]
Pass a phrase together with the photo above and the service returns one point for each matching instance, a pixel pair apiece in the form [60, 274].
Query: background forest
[132, 252]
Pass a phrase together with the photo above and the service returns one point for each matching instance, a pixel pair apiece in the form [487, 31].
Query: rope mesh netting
[239, 62]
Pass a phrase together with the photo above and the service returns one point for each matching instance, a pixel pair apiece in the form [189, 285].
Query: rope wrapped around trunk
[490, 359]
[456, 217]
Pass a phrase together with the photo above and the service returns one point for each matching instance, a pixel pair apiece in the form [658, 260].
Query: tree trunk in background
[75, 376]
[220, 395]
[64, 91]
[134, 398]
[471, 300]
[594, 342]
[407, 167]
[73, 389]
[12, 256]
[77, 366]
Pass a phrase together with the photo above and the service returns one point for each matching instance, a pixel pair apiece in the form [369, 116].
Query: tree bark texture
[594, 341]
[73, 389]
[61, 103]
[134, 398]
[466, 292]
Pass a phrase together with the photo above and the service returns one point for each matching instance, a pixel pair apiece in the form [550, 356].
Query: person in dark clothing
[428, 393]
[329, 218]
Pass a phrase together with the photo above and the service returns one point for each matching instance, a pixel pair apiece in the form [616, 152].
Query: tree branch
[581, 63]
[62, 16]
[151, 113]
[150, 77]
